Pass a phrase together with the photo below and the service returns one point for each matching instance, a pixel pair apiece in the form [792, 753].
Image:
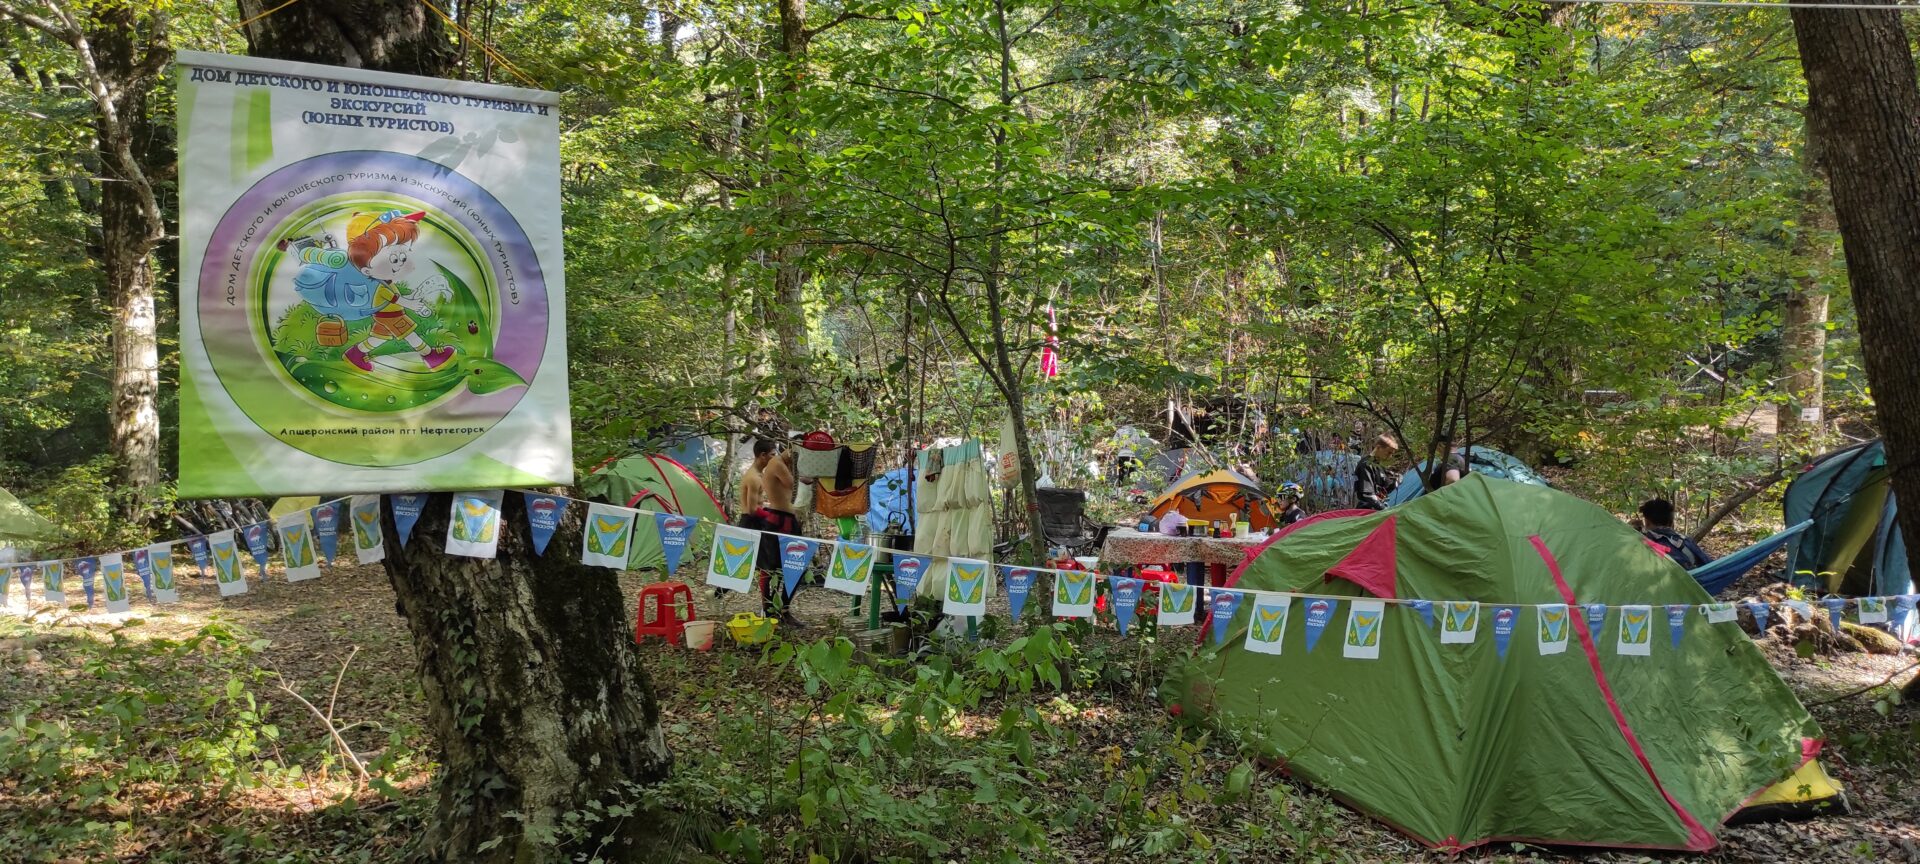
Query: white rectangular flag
[850, 568]
[1636, 630]
[1459, 622]
[1873, 610]
[1719, 613]
[1267, 626]
[1176, 604]
[1556, 623]
[1073, 594]
[297, 546]
[1365, 618]
[161, 557]
[609, 536]
[734, 552]
[474, 531]
[113, 573]
[369, 539]
[52, 576]
[226, 564]
[967, 580]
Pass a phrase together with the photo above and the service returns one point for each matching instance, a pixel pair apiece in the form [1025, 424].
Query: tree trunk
[1806, 315]
[534, 689]
[537, 697]
[130, 227]
[789, 311]
[1863, 106]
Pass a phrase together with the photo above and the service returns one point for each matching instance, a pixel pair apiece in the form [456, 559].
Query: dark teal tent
[1854, 546]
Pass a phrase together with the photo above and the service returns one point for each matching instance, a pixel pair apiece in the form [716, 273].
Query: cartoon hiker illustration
[381, 248]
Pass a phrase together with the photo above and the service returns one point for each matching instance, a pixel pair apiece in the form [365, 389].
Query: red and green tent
[1456, 746]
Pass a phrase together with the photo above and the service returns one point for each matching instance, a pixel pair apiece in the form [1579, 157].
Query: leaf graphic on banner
[486, 376]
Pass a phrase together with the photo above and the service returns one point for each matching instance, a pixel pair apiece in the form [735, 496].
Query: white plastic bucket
[700, 634]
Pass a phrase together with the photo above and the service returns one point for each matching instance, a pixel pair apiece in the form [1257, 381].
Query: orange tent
[1222, 494]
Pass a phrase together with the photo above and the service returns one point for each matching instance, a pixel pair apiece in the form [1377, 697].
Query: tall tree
[1863, 107]
[120, 48]
[536, 695]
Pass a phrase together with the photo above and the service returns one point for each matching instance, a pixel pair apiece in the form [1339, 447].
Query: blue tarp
[1717, 575]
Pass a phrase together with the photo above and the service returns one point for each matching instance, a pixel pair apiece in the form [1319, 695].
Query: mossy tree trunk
[535, 693]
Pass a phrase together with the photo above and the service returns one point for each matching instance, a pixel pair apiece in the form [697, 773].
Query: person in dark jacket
[1286, 505]
[1373, 481]
[1657, 516]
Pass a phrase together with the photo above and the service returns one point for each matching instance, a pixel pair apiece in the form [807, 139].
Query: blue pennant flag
[143, 565]
[1319, 613]
[1677, 621]
[1596, 619]
[543, 518]
[1019, 583]
[28, 573]
[406, 511]
[796, 555]
[676, 531]
[1220, 612]
[1425, 608]
[1504, 618]
[1903, 606]
[85, 568]
[1761, 612]
[256, 537]
[198, 546]
[326, 529]
[1836, 610]
[908, 570]
[1126, 599]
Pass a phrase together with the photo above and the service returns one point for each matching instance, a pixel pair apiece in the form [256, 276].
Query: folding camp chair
[1063, 513]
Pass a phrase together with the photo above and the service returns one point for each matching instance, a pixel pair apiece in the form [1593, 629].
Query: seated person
[1657, 514]
[1287, 504]
[1373, 481]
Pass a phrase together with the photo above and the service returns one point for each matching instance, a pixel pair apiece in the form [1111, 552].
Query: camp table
[1207, 558]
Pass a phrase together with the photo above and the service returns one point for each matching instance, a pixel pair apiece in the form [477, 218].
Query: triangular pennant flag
[226, 564]
[796, 555]
[1019, 585]
[29, 574]
[369, 539]
[731, 564]
[255, 536]
[160, 559]
[1761, 612]
[473, 528]
[113, 576]
[143, 567]
[1677, 621]
[1319, 614]
[676, 534]
[1873, 610]
[543, 518]
[1836, 610]
[406, 511]
[1176, 604]
[1126, 600]
[326, 530]
[1267, 625]
[1459, 622]
[198, 547]
[1719, 613]
[1596, 620]
[1636, 631]
[1072, 594]
[1365, 619]
[52, 582]
[608, 537]
[1504, 620]
[966, 587]
[1220, 611]
[847, 571]
[85, 568]
[296, 547]
[908, 571]
[6, 584]
[1555, 627]
[1425, 608]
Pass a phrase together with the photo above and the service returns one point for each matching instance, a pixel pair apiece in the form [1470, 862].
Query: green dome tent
[1457, 747]
[661, 485]
[18, 523]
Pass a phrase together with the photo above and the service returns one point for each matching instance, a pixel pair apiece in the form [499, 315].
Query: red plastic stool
[667, 624]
